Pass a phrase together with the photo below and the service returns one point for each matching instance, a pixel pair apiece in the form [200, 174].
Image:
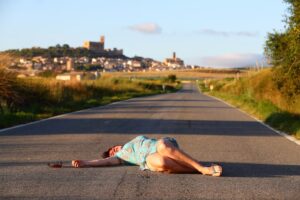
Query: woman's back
[137, 150]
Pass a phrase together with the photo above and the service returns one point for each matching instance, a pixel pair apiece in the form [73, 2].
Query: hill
[58, 51]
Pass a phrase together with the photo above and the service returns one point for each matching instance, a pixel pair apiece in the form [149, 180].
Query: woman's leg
[159, 163]
[167, 149]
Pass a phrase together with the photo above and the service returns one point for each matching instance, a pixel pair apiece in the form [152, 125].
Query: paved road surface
[258, 163]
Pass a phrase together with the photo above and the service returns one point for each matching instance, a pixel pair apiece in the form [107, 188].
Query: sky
[212, 33]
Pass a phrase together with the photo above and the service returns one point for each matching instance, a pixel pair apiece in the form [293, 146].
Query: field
[184, 74]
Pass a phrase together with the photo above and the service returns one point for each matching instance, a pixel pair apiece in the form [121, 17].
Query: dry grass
[259, 96]
[6, 59]
[183, 74]
[43, 97]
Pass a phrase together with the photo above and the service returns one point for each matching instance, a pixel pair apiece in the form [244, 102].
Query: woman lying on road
[161, 155]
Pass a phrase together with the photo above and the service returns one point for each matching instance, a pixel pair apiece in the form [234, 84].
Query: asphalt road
[257, 162]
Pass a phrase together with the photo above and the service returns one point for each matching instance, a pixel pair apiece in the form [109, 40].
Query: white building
[69, 77]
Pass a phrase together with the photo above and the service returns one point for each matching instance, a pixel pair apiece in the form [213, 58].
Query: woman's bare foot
[213, 170]
[78, 163]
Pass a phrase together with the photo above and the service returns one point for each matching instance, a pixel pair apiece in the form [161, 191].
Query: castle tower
[102, 40]
[174, 56]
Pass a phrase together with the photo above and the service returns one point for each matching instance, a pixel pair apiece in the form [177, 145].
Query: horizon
[213, 34]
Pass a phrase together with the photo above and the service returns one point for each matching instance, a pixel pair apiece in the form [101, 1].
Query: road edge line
[77, 111]
[290, 138]
[46, 119]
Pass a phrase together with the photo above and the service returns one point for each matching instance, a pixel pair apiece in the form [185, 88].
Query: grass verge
[41, 98]
[262, 102]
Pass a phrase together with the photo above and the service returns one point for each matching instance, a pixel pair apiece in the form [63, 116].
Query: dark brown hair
[105, 154]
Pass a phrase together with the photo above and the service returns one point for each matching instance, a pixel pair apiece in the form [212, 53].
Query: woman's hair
[105, 154]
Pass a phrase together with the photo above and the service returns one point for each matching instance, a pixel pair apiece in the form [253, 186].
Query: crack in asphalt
[119, 184]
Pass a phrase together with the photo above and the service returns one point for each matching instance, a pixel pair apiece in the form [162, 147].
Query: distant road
[258, 163]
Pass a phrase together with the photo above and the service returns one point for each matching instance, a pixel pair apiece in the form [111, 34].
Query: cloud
[233, 60]
[247, 34]
[212, 32]
[147, 28]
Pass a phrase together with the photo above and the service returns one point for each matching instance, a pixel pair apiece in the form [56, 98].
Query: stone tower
[102, 40]
[174, 56]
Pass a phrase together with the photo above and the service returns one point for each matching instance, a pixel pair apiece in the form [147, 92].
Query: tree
[65, 46]
[171, 78]
[283, 49]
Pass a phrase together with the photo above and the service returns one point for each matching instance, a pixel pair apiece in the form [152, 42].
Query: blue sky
[214, 33]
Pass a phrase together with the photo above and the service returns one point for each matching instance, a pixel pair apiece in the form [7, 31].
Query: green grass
[44, 97]
[257, 96]
[11, 119]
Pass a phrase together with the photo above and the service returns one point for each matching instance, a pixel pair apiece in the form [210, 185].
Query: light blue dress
[136, 151]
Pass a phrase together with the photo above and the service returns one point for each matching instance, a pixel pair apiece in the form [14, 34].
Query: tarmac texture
[257, 162]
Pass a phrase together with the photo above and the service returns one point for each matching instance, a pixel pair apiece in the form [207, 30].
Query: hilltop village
[91, 58]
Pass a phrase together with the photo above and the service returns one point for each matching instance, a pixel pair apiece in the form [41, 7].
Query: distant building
[69, 77]
[114, 52]
[70, 64]
[78, 76]
[174, 62]
[98, 47]
[134, 63]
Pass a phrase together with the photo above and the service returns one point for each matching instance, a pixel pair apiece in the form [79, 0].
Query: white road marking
[291, 138]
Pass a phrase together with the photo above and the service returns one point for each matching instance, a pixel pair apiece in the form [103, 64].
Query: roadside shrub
[171, 78]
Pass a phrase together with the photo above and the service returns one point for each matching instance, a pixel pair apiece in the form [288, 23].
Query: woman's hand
[78, 163]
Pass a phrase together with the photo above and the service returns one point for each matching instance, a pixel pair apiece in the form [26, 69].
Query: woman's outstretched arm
[110, 161]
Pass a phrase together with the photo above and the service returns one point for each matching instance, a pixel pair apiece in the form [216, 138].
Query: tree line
[55, 51]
